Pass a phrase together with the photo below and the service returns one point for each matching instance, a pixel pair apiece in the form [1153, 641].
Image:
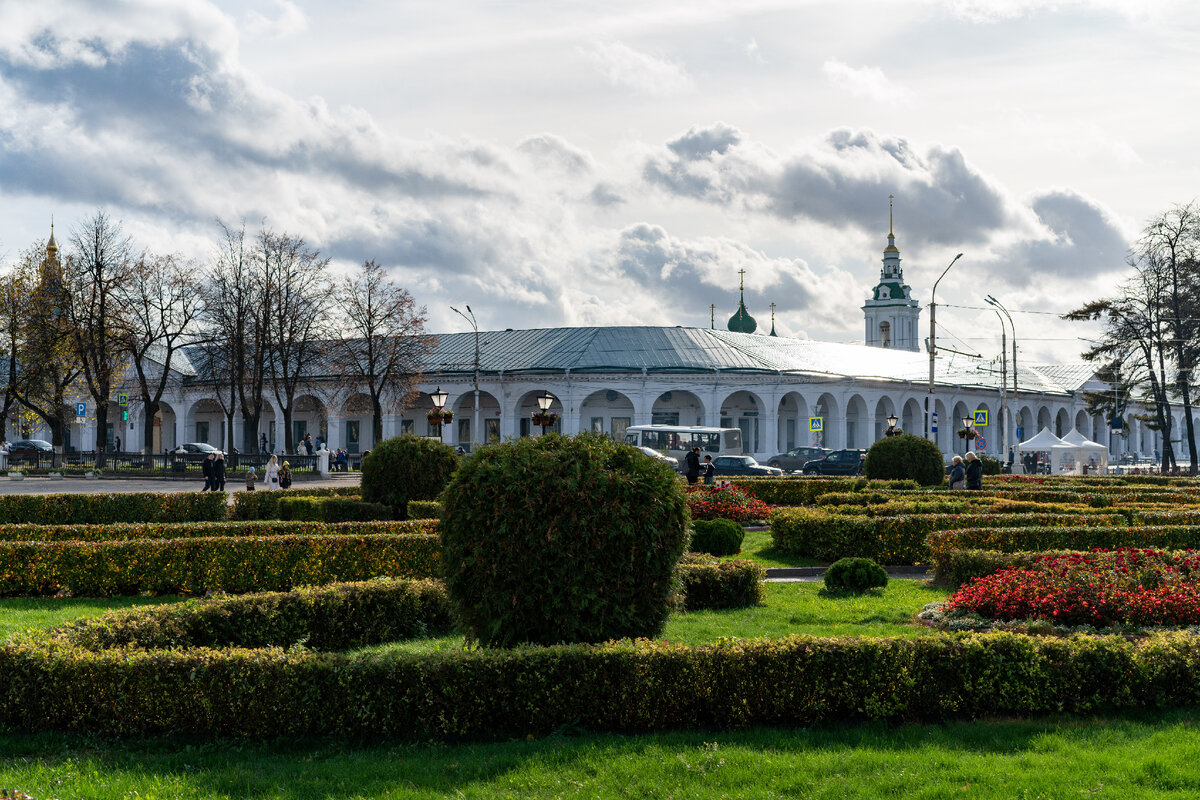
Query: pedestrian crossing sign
[122, 400]
[981, 418]
[815, 424]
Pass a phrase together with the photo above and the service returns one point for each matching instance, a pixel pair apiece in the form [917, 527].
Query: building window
[299, 428]
[523, 427]
[597, 424]
[492, 428]
[464, 429]
[352, 436]
[619, 424]
[664, 418]
[406, 426]
[201, 432]
[885, 334]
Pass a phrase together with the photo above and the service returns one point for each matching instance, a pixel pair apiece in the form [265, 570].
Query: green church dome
[741, 321]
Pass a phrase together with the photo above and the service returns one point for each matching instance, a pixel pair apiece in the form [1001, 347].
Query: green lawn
[1138, 756]
[21, 613]
[758, 546]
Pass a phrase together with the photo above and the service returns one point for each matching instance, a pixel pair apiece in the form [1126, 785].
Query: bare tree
[46, 362]
[95, 269]
[299, 300]
[14, 287]
[384, 342]
[161, 304]
[1169, 245]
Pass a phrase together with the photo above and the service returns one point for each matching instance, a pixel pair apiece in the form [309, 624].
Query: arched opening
[827, 414]
[913, 416]
[528, 407]
[885, 334]
[743, 410]
[793, 417]
[1043, 421]
[1062, 423]
[486, 422]
[884, 408]
[856, 423]
[677, 407]
[309, 424]
[606, 411]
[358, 424]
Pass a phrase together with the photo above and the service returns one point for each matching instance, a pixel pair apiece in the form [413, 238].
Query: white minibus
[678, 440]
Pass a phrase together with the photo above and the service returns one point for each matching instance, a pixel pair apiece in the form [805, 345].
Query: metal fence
[161, 463]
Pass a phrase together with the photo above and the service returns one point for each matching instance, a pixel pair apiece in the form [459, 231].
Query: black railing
[156, 463]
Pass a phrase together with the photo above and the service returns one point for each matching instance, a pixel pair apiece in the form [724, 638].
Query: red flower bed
[1101, 588]
[726, 502]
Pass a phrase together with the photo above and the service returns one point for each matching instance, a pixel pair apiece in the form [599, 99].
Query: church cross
[742, 280]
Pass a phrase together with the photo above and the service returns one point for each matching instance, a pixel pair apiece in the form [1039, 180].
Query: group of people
[966, 474]
[694, 468]
[275, 475]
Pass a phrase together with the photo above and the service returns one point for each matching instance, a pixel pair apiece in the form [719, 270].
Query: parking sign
[81, 409]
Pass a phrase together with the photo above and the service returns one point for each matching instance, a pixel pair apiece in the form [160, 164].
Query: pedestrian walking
[250, 479]
[285, 476]
[271, 474]
[308, 444]
[219, 473]
[958, 473]
[207, 467]
[262, 444]
[974, 471]
[710, 471]
[693, 465]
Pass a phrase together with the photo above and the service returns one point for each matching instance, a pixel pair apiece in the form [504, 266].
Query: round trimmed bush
[718, 537]
[562, 539]
[406, 468]
[906, 456]
[854, 575]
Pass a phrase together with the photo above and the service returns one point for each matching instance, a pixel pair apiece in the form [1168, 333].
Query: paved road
[40, 485]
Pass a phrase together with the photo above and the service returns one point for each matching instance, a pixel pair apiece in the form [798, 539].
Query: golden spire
[890, 197]
[52, 246]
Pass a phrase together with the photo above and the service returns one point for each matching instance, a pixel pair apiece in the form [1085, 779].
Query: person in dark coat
[308, 444]
[710, 471]
[219, 473]
[693, 465]
[958, 473]
[207, 468]
[974, 471]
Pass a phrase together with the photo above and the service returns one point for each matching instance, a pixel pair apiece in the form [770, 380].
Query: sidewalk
[798, 574]
[72, 485]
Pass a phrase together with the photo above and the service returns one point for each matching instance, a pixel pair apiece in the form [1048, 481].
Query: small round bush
[562, 539]
[718, 537]
[906, 456]
[854, 575]
[991, 464]
[406, 468]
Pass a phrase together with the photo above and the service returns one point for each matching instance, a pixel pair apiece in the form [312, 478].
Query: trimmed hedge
[623, 686]
[265, 505]
[1074, 537]
[855, 575]
[193, 566]
[798, 491]
[122, 531]
[424, 509]
[405, 468]
[66, 509]
[332, 509]
[891, 540]
[335, 617]
[906, 456]
[717, 537]
[709, 584]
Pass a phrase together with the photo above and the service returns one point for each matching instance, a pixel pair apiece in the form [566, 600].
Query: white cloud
[643, 73]
[288, 21]
[869, 82]
[753, 52]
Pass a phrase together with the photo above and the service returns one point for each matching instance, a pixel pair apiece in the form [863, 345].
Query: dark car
[741, 465]
[797, 457]
[196, 447]
[839, 462]
[28, 450]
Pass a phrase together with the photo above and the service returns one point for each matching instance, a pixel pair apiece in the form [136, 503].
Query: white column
[280, 433]
[390, 424]
[235, 439]
[333, 427]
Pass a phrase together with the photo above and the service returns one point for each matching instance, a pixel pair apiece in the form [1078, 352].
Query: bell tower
[890, 313]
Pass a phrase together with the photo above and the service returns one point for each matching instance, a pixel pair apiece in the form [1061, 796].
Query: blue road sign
[933, 422]
[980, 443]
[981, 418]
[122, 399]
[815, 424]
[81, 409]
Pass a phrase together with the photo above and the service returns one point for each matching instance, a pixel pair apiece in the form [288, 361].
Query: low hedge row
[335, 617]
[813, 533]
[797, 491]
[66, 509]
[1071, 537]
[331, 509]
[265, 505]
[711, 584]
[424, 509]
[194, 566]
[642, 685]
[956, 567]
[123, 531]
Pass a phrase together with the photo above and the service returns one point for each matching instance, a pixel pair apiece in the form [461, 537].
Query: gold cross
[742, 280]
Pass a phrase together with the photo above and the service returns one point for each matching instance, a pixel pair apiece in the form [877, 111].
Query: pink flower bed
[725, 502]
[1101, 588]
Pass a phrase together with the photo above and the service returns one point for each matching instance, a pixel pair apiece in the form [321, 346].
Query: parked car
[28, 450]
[196, 447]
[839, 462]
[797, 457]
[741, 465]
[670, 460]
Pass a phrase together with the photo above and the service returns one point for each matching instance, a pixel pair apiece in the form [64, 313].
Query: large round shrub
[559, 539]
[854, 575]
[406, 468]
[718, 537]
[906, 456]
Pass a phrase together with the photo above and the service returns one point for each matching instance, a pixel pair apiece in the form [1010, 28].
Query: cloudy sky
[554, 163]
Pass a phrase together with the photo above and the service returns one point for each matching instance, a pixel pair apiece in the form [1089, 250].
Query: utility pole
[929, 405]
[1004, 426]
[997, 304]
[474, 327]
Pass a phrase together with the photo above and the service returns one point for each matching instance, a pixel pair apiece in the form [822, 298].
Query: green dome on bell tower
[741, 321]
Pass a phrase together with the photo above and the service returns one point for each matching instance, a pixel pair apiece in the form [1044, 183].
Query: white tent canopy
[1060, 454]
[1043, 441]
[1089, 455]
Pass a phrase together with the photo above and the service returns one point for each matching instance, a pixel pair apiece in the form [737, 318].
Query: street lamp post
[929, 407]
[891, 421]
[544, 401]
[992, 301]
[439, 403]
[967, 423]
[1004, 426]
[474, 327]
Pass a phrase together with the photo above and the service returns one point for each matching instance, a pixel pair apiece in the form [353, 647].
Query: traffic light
[124, 415]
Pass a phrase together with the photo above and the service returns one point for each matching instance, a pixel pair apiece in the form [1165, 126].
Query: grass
[23, 613]
[1134, 756]
[759, 547]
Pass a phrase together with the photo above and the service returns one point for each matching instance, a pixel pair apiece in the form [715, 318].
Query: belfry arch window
[885, 334]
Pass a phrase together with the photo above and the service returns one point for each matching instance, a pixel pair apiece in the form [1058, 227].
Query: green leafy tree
[906, 456]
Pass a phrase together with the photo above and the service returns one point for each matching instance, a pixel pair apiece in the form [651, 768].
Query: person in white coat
[271, 474]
